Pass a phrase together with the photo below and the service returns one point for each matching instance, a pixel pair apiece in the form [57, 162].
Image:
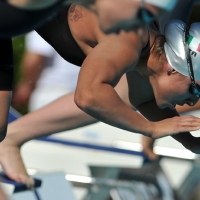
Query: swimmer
[148, 63]
[19, 17]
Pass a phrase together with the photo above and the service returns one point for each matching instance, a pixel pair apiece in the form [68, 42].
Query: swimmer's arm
[95, 94]
[151, 111]
[99, 74]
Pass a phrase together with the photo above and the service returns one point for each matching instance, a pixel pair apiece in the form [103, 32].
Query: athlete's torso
[58, 33]
[140, 89]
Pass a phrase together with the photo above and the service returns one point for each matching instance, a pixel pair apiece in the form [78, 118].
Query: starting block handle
[17, 187]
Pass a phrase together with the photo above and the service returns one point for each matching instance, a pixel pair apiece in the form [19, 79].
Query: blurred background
[99, 162]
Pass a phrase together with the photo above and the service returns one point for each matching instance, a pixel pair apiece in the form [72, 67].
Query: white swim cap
[174, 47]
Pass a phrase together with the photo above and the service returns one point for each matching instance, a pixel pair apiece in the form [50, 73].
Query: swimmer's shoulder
[83, 23]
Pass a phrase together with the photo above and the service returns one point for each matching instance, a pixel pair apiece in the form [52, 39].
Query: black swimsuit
[6, 64]
[15, 21]
[57, 33]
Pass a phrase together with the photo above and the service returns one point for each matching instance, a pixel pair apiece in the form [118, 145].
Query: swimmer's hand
[175, 125]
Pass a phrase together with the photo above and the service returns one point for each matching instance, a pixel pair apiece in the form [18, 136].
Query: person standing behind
[45, 75]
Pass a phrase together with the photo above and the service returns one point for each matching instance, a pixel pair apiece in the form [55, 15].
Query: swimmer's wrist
[148, 131]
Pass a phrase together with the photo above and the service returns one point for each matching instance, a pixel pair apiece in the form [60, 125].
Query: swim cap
[174, 47]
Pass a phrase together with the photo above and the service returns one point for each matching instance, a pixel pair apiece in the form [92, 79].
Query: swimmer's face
[174, 90]
[114, 15]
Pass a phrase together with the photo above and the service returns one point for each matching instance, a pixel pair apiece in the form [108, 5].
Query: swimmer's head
[182, 49]
[115, 15]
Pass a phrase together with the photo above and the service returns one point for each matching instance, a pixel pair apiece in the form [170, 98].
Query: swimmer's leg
[2, 195]
[60, 115]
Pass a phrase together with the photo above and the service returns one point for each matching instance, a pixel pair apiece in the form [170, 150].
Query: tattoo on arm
[75, 12]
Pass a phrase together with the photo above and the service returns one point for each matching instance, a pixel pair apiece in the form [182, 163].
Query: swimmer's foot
[12, 164]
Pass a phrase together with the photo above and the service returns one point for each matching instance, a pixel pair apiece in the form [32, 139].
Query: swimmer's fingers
[175, 125]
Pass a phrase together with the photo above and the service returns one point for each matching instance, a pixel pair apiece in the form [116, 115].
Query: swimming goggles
[194, 87]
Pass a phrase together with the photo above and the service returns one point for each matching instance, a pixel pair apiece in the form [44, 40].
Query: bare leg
[58, 116]
[2, 195]
[62, 114]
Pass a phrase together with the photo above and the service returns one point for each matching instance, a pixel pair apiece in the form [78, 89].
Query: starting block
[11, 187]
[49, 186]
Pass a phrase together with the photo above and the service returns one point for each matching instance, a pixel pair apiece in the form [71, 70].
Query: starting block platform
[51, 186]
[10, 187]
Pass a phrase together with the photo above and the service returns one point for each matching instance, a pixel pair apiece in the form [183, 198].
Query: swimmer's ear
[171, 71]
[174, 71]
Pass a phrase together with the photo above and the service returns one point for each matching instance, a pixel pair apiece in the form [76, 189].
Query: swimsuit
[13, 22]
[57, 33]
[6, 64]
[17, 21]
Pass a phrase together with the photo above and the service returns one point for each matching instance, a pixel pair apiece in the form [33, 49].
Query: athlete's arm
[95, 95]
[151, 111]
[99, 73]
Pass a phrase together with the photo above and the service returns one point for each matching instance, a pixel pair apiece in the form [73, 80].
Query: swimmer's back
[57, 33]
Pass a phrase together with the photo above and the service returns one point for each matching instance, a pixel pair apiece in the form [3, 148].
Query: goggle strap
[188, 58]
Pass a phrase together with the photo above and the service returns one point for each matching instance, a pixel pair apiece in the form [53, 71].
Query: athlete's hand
[175, 125]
